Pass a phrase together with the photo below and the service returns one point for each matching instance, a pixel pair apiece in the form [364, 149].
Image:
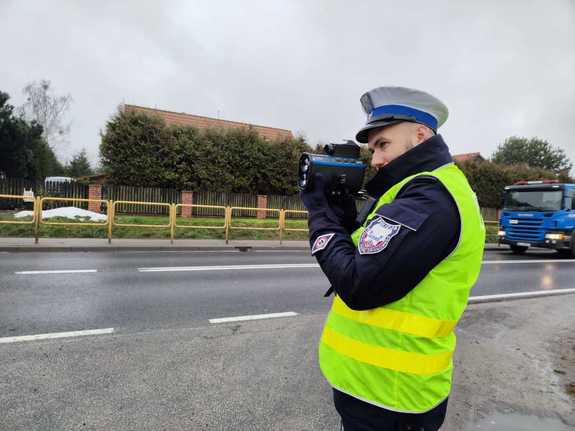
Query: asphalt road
[138, 291]
[164, 366]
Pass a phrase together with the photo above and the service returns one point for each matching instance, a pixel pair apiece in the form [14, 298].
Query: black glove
[339, 209]
[344, 208]
[314, 197]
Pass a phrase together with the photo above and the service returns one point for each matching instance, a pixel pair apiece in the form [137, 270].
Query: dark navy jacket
[428, 232]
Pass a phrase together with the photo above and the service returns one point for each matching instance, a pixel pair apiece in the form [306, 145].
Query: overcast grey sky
[502, 67]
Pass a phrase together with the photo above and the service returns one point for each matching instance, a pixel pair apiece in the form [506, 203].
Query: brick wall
[262, 203]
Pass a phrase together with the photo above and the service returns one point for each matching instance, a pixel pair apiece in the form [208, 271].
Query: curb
[238, 248]
[114, 248]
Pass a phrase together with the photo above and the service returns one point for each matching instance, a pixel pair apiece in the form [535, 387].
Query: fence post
[228, 219]
[110, 219]
[95, 193]
[262, 203]
[173, 222]
[38, 212]
[282, 223]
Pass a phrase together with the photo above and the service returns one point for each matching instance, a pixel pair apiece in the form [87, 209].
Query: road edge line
[521, 295]
[253, 317]
[54, 335]
[229, 267]
[57, 271]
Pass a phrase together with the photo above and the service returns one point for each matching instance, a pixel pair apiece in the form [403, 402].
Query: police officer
[402, 275]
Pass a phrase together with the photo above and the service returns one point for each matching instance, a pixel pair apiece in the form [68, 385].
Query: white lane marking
[487, 262]
[177, 251]
[58, 271]
[198, 251]
[253, 317]
[309, 265]
[282, 251]
[53, 335]
[263, 267]
[229, 267]
[518, 295]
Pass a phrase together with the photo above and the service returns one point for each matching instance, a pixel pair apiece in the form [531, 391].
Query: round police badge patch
[376, 236]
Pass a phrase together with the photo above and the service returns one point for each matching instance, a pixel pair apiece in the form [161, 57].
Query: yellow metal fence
[111, 206]
[227, 224]
[23, 198]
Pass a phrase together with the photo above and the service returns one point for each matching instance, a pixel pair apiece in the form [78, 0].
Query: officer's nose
[378, 162]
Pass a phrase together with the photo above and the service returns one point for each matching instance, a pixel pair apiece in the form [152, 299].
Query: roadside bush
[141, 150]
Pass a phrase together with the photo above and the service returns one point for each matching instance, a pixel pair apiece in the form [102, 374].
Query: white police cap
[385, 106]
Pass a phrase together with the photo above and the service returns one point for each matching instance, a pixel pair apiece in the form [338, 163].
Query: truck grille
[526, 229]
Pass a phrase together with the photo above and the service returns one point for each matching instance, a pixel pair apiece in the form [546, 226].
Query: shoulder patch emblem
[376, 236]
[321, 242]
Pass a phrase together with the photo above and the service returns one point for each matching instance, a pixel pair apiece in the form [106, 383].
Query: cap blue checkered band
[390, 110]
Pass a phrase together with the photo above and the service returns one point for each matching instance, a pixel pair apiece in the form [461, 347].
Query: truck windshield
[533, 200]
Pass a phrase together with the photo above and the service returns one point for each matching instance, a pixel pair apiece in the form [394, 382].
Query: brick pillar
[187, 199]
[262, 203]
[95, 192]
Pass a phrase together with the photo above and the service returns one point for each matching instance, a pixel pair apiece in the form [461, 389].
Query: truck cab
[538, 214]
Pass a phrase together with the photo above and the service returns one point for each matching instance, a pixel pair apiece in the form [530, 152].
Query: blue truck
[539, 214]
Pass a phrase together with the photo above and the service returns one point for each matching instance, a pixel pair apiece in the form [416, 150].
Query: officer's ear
[423, 133]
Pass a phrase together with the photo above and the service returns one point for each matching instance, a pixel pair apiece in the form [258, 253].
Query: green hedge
[141, 150]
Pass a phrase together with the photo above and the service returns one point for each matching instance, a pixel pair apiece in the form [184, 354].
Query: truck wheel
[518, 249]
[569, 252]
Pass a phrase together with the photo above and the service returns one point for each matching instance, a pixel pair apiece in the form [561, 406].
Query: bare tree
[48, 110]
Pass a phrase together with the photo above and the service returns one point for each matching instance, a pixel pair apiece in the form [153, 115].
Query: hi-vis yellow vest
[399, 356]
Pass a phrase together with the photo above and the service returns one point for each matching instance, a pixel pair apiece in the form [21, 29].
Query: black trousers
[357, 415]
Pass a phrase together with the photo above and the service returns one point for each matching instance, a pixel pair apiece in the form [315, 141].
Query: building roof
[96, 178]
[467, 156]
[200, 122]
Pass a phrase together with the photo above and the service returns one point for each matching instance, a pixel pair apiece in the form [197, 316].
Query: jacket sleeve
[398, 247]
